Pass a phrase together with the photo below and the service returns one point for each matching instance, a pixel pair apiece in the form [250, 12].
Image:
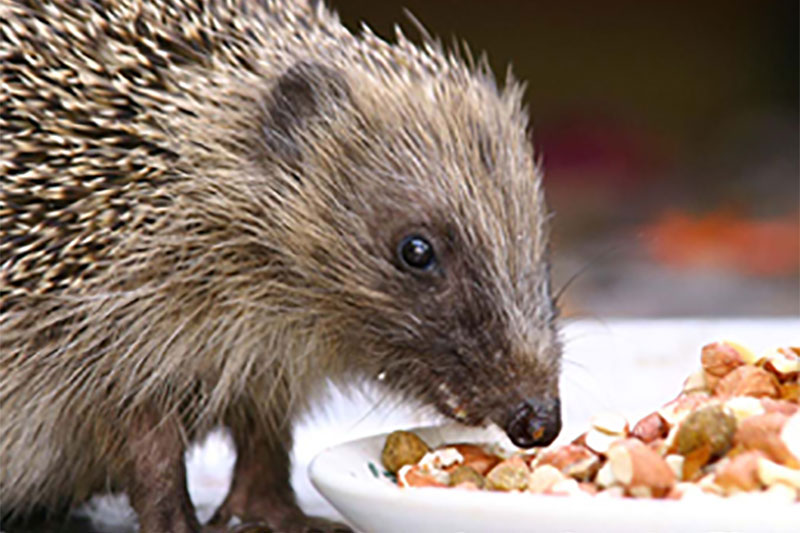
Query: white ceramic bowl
[372, 503]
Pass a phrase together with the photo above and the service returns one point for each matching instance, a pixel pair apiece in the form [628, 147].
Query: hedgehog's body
[200, 209]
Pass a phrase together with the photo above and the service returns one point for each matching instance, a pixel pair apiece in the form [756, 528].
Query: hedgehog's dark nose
[535, 422]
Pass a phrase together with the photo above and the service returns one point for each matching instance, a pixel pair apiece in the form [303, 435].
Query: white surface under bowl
[374, 504]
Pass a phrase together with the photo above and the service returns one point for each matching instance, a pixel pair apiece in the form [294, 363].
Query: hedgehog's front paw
[261, 497]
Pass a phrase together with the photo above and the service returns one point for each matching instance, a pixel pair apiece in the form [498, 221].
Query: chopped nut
[740, 473]
[511, 474]
[476, 457]
[744, 407]
[695, 460]
[640, 491]
[682, 406]
[599, 441]
[659, 446]
[650, 428]
[675, 463]
[605, 476]
[441, 459]
[741, 441]
[710, 383]
[748, 381]
[789, 391]
[784, 363]
[780, 406]
[402, 448]
[635, 465]
[719, 358]
[790, 435]
[710, 425]
[764, 433]
[745, 353]
[691, 491]
[698, 381]
[771, 473]
[572, 460]
[708, 484]
[668, 446]
[543, 478]
[465, 474]
[414, 476]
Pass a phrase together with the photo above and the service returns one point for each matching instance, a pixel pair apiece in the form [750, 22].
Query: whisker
[590, 262]
[574, 364]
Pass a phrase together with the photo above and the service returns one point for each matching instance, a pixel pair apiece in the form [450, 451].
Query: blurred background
[668, 132]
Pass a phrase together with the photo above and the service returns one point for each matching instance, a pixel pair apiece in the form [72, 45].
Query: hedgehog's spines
[199, 209]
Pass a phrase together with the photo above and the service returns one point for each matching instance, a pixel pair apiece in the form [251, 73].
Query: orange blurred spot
[722, 239]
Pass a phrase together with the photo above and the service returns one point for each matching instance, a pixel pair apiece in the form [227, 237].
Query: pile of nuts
[734, 429]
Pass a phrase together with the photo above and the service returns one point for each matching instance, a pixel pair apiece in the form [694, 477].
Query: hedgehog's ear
[307, 94]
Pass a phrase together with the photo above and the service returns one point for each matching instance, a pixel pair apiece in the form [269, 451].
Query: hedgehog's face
[463, 318]
[458, 339]
[433, 252]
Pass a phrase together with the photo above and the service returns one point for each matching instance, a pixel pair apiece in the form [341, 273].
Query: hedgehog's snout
[534, 422]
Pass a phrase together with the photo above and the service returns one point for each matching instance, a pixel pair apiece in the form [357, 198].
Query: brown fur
[199, 214]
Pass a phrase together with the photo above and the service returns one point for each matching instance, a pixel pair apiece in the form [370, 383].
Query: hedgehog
[209, 208]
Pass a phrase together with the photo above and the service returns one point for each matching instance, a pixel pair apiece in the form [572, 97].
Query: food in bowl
[734, 429]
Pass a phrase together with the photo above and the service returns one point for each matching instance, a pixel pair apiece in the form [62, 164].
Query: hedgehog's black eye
[416, 252]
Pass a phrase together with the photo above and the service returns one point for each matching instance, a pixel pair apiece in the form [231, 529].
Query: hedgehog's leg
[261, 491]
[156, 483]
